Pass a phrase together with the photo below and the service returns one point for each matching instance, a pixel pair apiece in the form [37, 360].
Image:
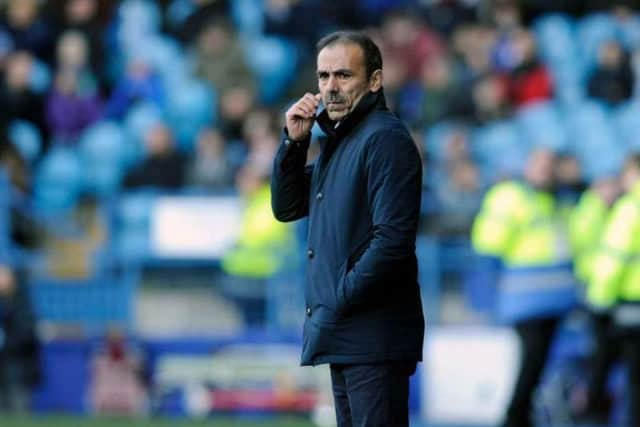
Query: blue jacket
[362, 197]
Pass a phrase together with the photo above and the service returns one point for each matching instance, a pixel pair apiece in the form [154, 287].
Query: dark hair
[370, 51]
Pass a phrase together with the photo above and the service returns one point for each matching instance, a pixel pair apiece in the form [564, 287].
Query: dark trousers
[631, 355]
[372, 395]
[605, 354]
[536, 337]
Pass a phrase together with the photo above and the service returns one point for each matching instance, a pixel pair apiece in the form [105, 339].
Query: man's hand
[301, 115]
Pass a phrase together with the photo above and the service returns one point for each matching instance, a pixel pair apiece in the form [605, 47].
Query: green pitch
[49, 421]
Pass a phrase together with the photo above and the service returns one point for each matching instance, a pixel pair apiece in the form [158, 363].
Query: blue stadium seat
[589, 114]
[500, 148]
[58, 181]
[555, 36]
[629, 32]
[40, 77]
[137, 19]
[178, 11]
[569, 82]
[593, 30]
[26, 137]
[438, 136]
[627, 119]
[130, 225]
[139, 120]
[541, 125]
[94, 304]
[594, 139]
[190, 107]
[162, 53]
[103, 152]
[273, 60]
[247, 16]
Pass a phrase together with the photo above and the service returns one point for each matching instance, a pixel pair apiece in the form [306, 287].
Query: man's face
[342, 78]
[539, 169]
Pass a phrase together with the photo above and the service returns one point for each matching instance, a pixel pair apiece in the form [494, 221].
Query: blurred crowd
[104, 96]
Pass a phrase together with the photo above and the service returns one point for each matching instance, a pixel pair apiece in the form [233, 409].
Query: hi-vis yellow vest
[520, 226]
[586, 225]
[264, 242]
[616, 265]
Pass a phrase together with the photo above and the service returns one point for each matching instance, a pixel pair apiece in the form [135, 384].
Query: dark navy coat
[362, 197]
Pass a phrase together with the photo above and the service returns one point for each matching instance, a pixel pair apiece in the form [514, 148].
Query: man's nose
[332, 83]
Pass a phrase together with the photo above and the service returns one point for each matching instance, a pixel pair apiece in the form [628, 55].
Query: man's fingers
[309, 107]
[299, 111]
[306, 107]
[312, 99]
[304, 111]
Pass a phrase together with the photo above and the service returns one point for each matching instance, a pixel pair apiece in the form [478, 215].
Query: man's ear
[375, 81]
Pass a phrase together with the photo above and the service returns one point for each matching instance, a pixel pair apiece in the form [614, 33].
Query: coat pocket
[343, 291]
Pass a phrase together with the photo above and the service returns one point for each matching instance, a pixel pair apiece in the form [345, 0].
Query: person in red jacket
[529, 81]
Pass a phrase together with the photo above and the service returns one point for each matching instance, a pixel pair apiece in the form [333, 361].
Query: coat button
[319, 196]
[308, 311]
[310, 253]
[287, 142]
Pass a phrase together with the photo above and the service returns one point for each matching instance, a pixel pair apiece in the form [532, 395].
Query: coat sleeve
[394, 188]
[291, 181]
[611, 259]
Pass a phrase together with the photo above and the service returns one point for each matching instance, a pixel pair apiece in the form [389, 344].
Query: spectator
[221, 61]
[74, 102]
[472, 46]
[529, 80]
[504, 15]
[74, 256]
[409, 42]
[139, 83]
[24, 232]
[294, 19]
[459, 198]
[27, 29]
[164, 167]
[19, 347]
[261, 249]
[445, 16]
[262, 139]
[570, 183]
[118, 380]
[209, 167]
[441, 91]
[18, 99]
[489, 99]
[612, 79]
[14, 165]
[87, 17]
[205, 11]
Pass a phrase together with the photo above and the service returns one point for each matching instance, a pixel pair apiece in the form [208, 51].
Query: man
[614, 282]
[586, 225]
[519, 225]
[362, 196]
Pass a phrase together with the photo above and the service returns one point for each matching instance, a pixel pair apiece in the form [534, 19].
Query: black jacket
[362, 196]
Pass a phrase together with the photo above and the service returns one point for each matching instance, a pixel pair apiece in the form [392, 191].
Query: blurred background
[141, 271]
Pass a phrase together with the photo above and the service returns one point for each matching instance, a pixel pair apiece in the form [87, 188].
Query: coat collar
[369, 102]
